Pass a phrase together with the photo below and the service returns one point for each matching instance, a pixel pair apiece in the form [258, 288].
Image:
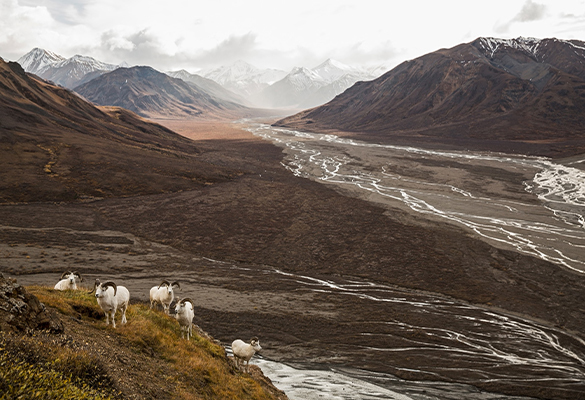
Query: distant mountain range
[524, 95]
[306, 88]
[239, 82]
[243, 78]
[67, 72]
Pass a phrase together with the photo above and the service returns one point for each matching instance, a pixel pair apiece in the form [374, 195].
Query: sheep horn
[77, 274]
[112, 284]
[64, 274]
[176, 284]
[187, 299]
[97, 282]
[254, 339]
[164, 283]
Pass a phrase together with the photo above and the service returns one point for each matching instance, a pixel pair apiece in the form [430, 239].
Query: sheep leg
[189, 331]
[123, 315]
[113, 320]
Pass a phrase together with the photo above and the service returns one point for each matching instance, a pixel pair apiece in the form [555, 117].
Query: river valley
[342, 318]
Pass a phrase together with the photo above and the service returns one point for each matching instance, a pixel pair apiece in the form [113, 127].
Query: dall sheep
[163, 294]
[184, 314]
[67, 281]
[244, 351]
[110, 298]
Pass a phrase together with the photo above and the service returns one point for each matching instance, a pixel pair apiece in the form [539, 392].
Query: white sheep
[67, 281]
[163, 294]
[184, 314]
[244, 351]
[110, 298]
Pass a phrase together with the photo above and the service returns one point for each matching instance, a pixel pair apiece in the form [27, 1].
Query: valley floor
[320, 277]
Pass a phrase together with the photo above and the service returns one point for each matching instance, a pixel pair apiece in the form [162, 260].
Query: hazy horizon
[198, 36]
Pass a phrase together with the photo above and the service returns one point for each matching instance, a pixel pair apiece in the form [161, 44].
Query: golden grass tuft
[32, 369]
[195, 369]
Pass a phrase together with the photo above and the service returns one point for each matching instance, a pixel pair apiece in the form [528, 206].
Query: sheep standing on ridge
[110, 298]
[184, 314]
[244, 351]
[163, 294]
[67, 281]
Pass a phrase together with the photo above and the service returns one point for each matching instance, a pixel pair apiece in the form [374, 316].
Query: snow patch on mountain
[39, 60]
[243, 78]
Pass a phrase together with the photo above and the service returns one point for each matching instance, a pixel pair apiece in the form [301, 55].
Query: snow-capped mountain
[76, 71]
[305, 88]
[243, 78]
[208, 85]
[38, 60]
[68, 72]
[332, 70]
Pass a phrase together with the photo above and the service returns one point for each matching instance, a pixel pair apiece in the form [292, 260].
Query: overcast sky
[195, 34]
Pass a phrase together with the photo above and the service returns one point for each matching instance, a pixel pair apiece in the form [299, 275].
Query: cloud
[530, 12]
[67, 12]
[229, 50]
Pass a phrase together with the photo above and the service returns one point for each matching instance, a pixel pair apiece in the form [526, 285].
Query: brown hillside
[470, 96]
[55, 146]
[150, 93]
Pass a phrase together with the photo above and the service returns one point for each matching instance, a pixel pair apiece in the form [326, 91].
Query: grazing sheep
[163, 294]
[244, 351]
[67, 281]
[110, 298]
[184, 314]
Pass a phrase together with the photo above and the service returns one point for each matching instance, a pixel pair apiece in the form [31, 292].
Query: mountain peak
[331, 63]
[331, 70]
[38, 60]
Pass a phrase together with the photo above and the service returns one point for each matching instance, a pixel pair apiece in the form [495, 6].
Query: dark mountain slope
[56, 146]
[150, 93]
[484, 95]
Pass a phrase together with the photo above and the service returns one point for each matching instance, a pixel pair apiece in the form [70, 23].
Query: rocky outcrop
[22, 311]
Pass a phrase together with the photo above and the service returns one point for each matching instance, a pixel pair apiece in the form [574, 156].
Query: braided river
[544, 218]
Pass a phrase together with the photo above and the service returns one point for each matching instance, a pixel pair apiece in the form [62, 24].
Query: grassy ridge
[149, 345]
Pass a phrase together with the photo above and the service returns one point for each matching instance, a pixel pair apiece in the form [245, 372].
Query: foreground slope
[522, 95]
[143, 359]
[56, 146]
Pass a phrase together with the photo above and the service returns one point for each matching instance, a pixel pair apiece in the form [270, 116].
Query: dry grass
[195, 369]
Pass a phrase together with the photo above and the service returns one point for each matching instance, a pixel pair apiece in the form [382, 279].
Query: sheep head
[164, 283]
[66, 274]
[77, 274]
[181, 303]
[102, 288]
[255, 343]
